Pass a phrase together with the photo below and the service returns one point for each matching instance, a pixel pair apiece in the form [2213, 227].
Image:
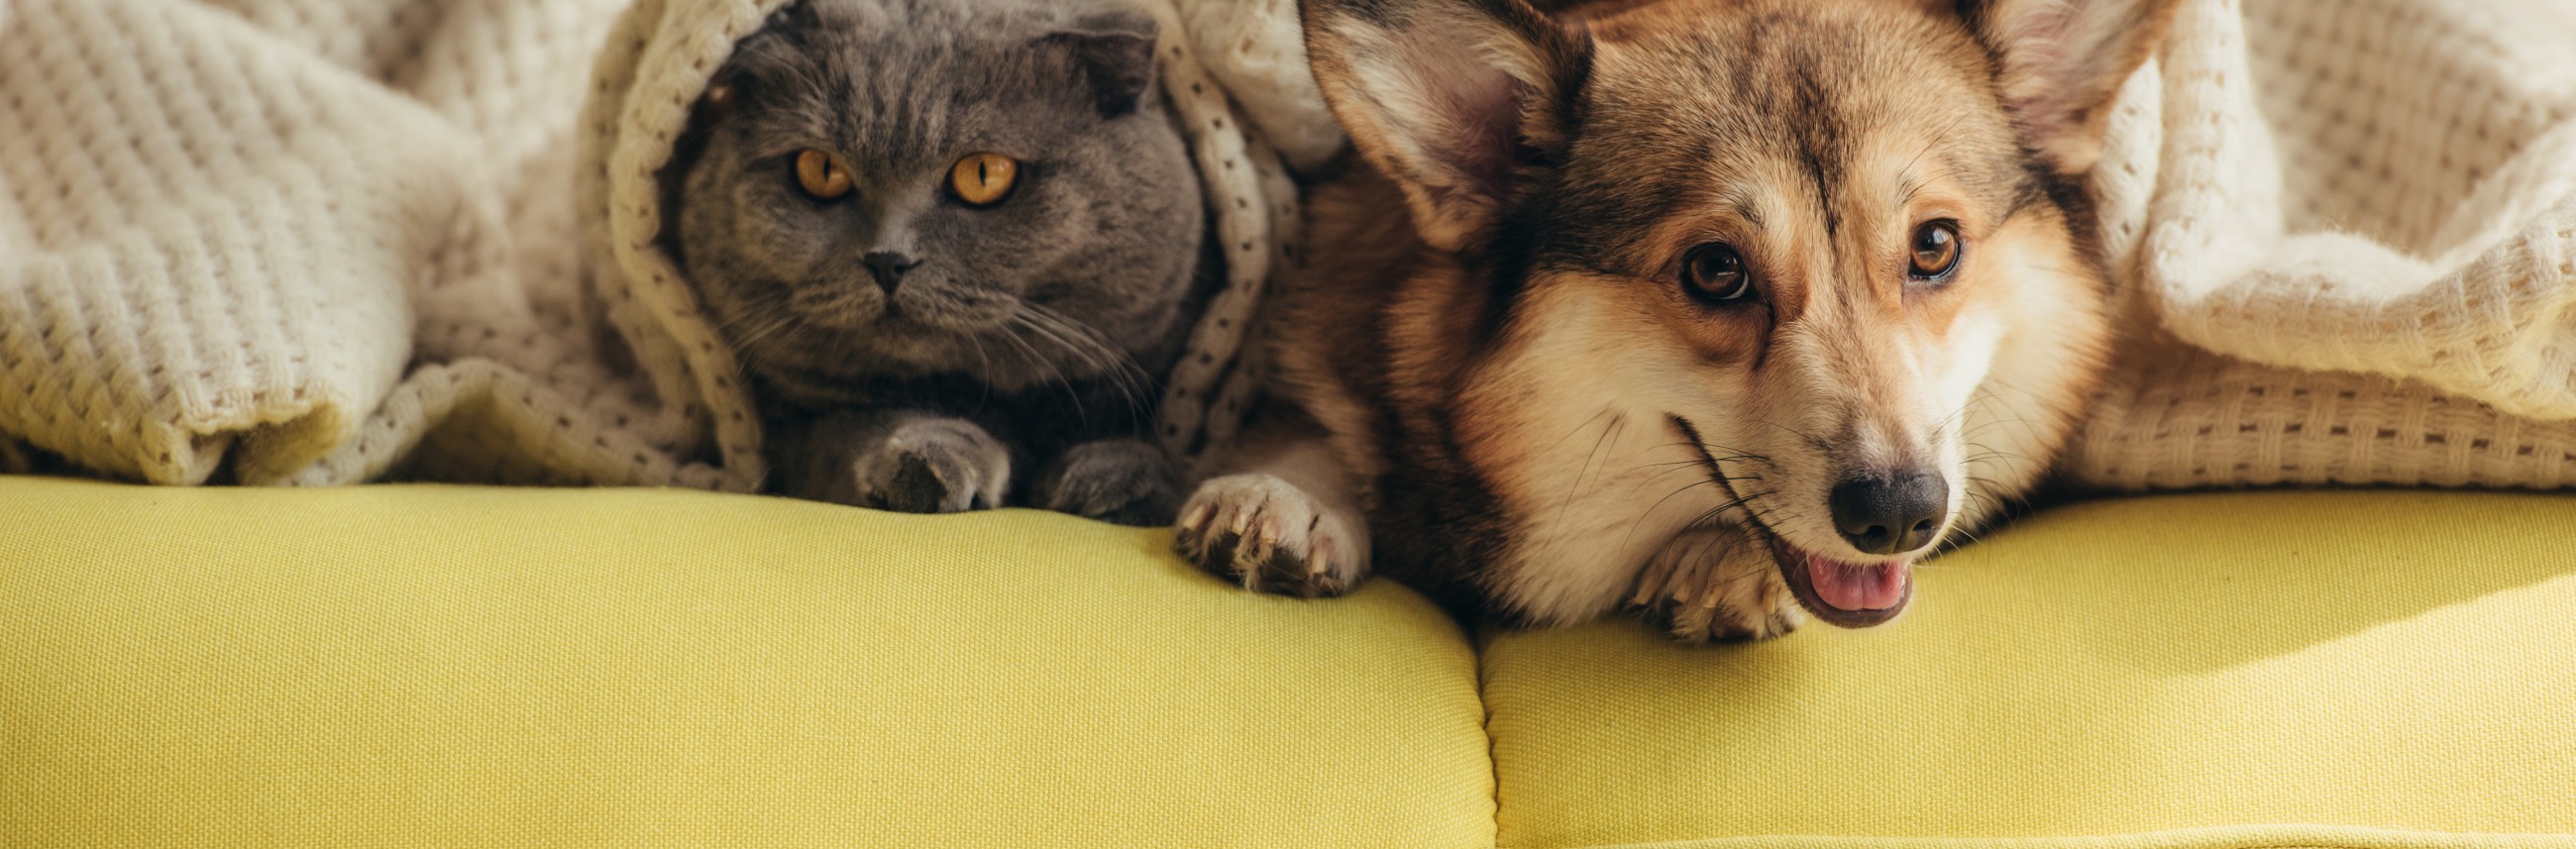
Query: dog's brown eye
[1715, 274]
[822, 177]
[1936, 249]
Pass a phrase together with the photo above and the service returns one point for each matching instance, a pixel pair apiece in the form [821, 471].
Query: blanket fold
[2345, 234]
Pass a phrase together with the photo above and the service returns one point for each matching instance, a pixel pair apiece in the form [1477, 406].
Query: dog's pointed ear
[1453, 99]
[2059, 63]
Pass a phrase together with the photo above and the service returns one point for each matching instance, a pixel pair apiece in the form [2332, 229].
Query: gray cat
[950, 240]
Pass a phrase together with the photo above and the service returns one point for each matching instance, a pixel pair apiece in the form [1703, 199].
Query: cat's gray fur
[1033, 333]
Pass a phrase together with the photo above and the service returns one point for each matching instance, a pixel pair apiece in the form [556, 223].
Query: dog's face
[1807, 268]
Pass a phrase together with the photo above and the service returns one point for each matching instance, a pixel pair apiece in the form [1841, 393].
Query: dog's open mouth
[1848, 595]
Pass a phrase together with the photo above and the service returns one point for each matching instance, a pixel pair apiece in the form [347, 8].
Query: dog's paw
[1716, 584]
[933, 465]
[1273, 537]
[1122, 480]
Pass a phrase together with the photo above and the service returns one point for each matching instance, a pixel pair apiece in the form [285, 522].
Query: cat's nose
[888, 268]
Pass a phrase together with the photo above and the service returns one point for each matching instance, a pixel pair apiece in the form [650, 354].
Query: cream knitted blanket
[325, 237]
[2348, 230]
[324, 241]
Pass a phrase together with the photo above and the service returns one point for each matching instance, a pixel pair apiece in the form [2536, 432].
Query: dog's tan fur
[1511, 390]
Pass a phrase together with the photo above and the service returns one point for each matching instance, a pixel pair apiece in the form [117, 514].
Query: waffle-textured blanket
[323, 241]
[2348, 233]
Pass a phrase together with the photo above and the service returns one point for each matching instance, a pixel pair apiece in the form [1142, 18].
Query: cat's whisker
[1136, 384]
[1035, 359]
[1055, 337]
[1106, 367]
[1112, 366]
[752, 328]
[985, 359]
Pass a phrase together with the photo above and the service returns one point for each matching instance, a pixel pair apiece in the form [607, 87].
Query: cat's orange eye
[823, 177]
[983, 179]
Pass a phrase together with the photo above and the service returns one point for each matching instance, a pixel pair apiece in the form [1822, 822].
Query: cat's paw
[1273, 537]
[1116, 480]
[933, 465]
[1716, 584]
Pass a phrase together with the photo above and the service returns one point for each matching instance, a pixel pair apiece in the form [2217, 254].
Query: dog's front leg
[1713, 583]
[1282, 517]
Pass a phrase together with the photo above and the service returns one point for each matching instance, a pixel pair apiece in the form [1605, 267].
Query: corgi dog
[1715, 310]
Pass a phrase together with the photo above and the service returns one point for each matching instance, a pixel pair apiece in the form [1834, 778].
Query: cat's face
[901, 188]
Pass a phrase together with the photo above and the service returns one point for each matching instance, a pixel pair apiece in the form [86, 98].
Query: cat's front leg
[901, 460]
[1119, 480]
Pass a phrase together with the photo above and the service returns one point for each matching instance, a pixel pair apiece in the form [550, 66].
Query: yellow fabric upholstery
[423, 666]
[402, 666]
[2352, 669]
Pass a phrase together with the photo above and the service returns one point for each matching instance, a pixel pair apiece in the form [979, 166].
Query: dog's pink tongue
[1850, 587]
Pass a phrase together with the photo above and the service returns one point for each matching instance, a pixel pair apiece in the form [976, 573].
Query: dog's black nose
[888, 268]
[1889, 515]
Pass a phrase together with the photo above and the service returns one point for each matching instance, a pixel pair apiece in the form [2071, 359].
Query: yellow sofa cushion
[418, 666]
[2231, 670]
[403, 666]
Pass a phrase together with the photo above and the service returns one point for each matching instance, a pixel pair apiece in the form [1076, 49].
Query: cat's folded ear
[1115, 50]
[762, 55]
[724, 95]
[719, 97]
